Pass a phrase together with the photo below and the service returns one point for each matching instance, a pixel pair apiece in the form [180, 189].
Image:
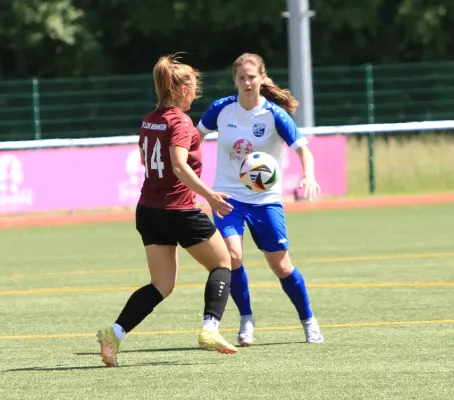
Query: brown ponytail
[169, 74]
[272, 92]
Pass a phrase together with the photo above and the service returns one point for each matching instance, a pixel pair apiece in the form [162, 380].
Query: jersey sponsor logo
[258, 129]
[12, 195]
[154, 127]
[229, 125]
[241, 148]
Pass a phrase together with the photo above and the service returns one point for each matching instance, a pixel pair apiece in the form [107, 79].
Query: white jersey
[267, 128]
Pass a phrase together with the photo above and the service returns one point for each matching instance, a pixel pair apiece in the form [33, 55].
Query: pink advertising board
[103, 177]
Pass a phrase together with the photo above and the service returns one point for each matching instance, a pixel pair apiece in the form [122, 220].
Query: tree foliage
[95, 37]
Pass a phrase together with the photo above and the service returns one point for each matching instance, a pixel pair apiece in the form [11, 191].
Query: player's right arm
[201, 134]
[209, 121]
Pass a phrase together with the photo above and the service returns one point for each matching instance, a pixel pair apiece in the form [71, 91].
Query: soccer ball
[259, 171]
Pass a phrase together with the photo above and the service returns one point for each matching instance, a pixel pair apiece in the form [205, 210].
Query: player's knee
[164, 287]
[225, 262]
[220, 260]
[282, 271]
[236, 259]
[280, 263]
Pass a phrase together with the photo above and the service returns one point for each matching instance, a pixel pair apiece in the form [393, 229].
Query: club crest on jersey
[258, 129]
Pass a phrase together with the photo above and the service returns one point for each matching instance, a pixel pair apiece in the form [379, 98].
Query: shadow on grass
[168, 349]
[69, 368]
[148, 350]
[278, 343]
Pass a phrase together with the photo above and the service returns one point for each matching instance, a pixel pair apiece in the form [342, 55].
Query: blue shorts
[266, 223]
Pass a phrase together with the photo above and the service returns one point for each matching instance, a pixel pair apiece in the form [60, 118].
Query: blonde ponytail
[162, 76]
[169, 74]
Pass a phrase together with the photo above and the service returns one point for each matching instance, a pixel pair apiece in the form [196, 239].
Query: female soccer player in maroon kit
[166, 214]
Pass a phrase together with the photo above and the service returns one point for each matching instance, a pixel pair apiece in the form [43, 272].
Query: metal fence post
[36, 109]
[370, 120]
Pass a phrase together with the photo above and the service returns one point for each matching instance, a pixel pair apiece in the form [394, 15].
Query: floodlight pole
[300, 65]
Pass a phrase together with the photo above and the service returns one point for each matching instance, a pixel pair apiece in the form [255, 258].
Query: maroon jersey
[161, 129]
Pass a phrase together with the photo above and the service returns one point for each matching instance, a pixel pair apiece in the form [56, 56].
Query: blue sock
[239, 290]
[295, 288]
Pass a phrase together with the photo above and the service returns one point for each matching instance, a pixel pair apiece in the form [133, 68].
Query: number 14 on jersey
[156, 162]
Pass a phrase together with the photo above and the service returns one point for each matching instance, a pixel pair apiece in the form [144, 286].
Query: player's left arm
[287, 129]
[309, 183]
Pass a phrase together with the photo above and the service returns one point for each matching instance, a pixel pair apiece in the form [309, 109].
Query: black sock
[139, 306]
[217, 292]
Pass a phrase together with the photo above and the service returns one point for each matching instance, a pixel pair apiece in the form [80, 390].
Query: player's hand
[311, 188]
[218, 204]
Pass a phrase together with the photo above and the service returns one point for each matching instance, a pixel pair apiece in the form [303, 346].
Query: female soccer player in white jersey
[256, 119]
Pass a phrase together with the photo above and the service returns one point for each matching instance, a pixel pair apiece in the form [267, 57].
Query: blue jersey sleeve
[287, 129]
[209, 121]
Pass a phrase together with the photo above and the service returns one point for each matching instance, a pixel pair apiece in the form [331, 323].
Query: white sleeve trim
[300, 142]
[203, 129]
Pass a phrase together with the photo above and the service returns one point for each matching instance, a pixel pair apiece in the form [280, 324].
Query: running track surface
[95, 216]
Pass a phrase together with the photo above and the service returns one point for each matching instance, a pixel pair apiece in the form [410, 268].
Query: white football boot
[246, 333]
[312, 331]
